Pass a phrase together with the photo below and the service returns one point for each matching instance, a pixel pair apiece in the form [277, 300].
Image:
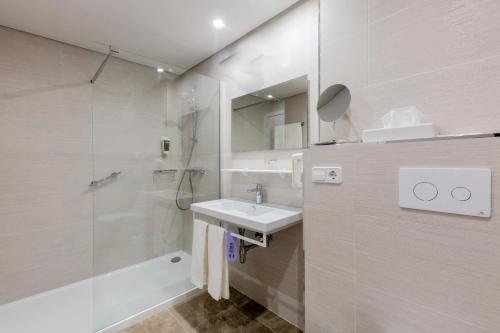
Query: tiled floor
[203, 314]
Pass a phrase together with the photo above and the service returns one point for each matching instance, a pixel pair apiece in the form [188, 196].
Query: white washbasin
[263, 218]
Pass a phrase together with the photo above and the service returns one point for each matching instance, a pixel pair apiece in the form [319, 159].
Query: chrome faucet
[258, 193]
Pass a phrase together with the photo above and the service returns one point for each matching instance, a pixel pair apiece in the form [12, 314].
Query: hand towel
[218, 277]
[297, 170]
[288, 136]
[279, 137]
[199, 257]
[293, 136]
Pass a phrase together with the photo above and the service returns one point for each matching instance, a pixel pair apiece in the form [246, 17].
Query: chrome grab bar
[160, 172]
[195, 170]
[113, 175]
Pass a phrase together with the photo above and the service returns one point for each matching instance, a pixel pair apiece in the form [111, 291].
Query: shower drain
[175, 259]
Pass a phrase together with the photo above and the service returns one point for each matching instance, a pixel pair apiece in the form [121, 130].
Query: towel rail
[113, 175]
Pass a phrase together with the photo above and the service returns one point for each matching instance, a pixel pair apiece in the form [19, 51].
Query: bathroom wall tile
[324, 219]
[46, 65]
[344, 61]
[38, 261]
[288, 306]
[340, 254]
[343, 44]
[43, 190]
[404, 239]
[329, 309]
[377, 312]
[283, 286]
[455, 99]
[432, 35]
[430, 267]
[381, 9]
[451, 291]
[339, 18]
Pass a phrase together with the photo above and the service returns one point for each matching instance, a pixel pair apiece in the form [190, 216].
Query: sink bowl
[262, 218]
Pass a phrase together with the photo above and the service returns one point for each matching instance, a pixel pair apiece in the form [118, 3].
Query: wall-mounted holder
[245, 172]
[262, 240]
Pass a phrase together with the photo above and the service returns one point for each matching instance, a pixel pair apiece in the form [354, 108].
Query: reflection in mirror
[334, 102]
[271, 118]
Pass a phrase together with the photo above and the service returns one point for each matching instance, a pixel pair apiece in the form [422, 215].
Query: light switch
[332, 175]
[465, 191]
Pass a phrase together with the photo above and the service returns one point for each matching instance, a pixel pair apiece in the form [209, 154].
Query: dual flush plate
[465, 191]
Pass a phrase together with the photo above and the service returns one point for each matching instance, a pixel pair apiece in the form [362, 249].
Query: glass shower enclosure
[156, 150]
[95, 226]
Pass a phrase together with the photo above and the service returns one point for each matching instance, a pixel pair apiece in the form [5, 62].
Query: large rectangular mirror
[271, 118]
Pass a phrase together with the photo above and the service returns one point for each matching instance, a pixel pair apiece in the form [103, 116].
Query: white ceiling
[175, 33]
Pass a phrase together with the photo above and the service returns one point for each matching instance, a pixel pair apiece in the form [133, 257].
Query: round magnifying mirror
[334, 102]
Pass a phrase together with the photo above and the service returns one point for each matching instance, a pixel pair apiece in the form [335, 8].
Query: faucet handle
[256, 188]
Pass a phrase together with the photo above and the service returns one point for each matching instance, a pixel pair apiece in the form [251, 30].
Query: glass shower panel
[141, 239]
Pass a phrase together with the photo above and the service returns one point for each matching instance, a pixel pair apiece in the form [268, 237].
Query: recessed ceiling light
[218, 23]
[270, 96]
[160, 70]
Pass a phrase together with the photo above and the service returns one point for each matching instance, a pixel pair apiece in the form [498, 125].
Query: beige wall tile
[435, 55]
[432, 35]
[454, 99]
[329, 309]
[381, 9]
[274, 276]
[413, 271]
[379, 313]
[334, 231]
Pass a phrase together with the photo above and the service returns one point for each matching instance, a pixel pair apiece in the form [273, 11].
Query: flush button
[465, 191]
[425, 191]
[461, 193]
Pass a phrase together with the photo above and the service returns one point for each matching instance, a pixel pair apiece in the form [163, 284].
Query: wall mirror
[272, 118]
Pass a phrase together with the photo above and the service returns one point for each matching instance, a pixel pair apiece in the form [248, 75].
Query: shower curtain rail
[99, 70]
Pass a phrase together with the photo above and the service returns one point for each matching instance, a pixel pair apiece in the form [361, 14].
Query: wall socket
[328, 175]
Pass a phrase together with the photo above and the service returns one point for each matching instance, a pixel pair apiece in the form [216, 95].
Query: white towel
[288, 136]
[293, 135]
[218, 277]
[279, 137]
[199, 257]
[297, 170]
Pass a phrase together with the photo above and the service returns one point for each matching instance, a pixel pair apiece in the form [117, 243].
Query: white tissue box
[420, 131]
